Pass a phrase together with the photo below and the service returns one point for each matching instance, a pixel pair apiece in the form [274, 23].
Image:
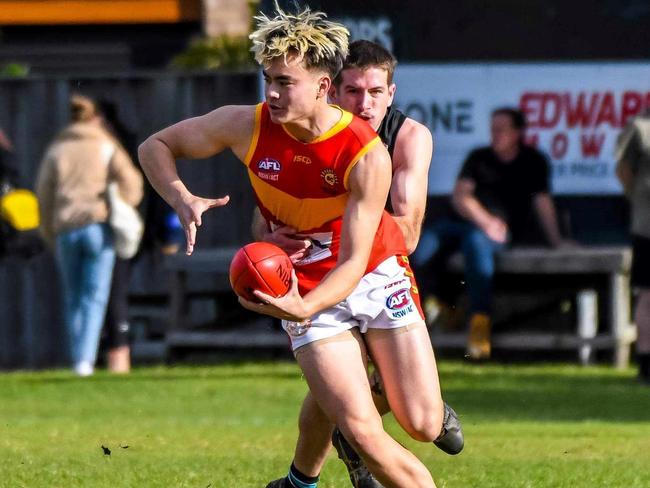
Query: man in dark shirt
[499, 190]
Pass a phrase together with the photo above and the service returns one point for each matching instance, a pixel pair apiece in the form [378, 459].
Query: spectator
[72, 186]
[633, 170]
[6, 172]
[6, 175]
[498, 191]
[116, 324]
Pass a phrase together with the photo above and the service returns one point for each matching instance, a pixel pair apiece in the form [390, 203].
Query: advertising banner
[575, 112]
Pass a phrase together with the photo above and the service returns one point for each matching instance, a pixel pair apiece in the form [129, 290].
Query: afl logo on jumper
[399, 303]
[268, 169]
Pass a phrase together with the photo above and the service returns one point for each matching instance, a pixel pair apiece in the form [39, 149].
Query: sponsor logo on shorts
[297, 329]
[399, 303]
[394, 283]
[398, 299]
[269, 169]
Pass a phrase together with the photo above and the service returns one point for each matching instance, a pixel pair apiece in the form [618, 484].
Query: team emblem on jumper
[399, 303]
[329, 176]
[269, 169]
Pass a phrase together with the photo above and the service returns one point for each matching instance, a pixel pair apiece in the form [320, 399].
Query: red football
[260, 266]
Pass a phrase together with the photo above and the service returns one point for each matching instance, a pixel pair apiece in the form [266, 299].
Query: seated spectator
[499, 189]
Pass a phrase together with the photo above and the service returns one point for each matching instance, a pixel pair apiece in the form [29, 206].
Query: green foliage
[542, 426]
[222, 52]
[14, 70]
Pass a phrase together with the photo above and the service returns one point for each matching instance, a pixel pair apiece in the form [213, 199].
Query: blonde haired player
[322, 171]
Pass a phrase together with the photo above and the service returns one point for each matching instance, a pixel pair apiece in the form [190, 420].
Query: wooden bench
[611, 262]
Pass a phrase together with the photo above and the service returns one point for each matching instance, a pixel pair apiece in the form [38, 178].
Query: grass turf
[235, 426]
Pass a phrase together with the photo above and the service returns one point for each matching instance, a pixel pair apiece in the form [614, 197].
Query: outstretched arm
[408, 191]
[199, 137]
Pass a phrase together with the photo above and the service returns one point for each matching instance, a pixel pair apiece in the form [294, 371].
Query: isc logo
[302, 159]
[268, 164]
[398, 299]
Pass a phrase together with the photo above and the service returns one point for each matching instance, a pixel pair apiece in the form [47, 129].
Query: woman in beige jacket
[72, 190]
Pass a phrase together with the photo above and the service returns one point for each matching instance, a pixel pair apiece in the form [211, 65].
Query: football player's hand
[190, 210]
[288, 307]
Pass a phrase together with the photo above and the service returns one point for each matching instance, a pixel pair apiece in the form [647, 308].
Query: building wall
[424, 30]
[230, 17]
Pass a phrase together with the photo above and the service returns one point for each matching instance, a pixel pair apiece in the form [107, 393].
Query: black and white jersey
[387, 132]
[390, 127]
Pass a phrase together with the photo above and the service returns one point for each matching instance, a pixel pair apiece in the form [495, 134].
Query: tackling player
[365, 87]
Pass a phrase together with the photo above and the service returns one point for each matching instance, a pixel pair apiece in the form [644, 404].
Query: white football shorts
[385, 298]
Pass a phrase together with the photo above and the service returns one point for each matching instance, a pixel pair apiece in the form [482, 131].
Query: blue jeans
[440, 240]
[86, 257]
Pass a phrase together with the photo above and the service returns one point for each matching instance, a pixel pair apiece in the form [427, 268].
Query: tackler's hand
[286, 239]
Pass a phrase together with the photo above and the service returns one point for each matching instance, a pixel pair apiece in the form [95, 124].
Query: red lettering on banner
[559, 145]
[548, 109]
[631, 105]
[607, 112]
[529, 105]
[578, 113]
[591, 144]
[551, 110]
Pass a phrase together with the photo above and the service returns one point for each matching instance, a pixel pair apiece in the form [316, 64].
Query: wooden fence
[33, 110]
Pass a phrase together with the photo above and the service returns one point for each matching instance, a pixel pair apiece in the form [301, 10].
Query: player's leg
[451, 439]
[314, 434]
[337, 378]
[405, 360]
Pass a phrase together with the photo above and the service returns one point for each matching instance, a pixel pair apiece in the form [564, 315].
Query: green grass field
[235, 426]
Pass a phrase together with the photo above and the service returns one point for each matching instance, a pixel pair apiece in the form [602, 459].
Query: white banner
[574, 113]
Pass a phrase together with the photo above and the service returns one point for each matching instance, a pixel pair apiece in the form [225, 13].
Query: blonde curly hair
[320, 43]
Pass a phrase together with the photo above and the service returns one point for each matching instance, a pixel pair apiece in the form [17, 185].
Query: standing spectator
[633, 171]
[116, 324]
[6, 148]
[498, 191]
[6, 175]
[72, 190]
